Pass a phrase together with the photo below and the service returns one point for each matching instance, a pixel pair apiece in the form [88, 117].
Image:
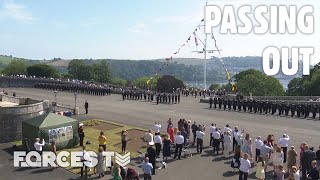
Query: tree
[118, 81]
[141, 82]
[295, 87]
[259, 84]
[167, 83]
[16, 67]
[306, 85]
[215, 87]
[42, 70]
[101, 72]
[79, 70]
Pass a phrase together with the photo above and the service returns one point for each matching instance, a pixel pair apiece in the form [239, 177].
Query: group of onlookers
[227, 141]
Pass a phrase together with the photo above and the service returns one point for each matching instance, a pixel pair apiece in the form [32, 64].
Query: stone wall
[11, 117]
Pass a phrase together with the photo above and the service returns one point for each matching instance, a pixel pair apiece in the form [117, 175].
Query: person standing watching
[265, 150]
[307, 157]
[148, 137]
[86, 106]
[227, 144]
[157, 127]
[200, 134]
[212, 129]
[147, 169]
[38, 145]
[283, 143]
[124, 140]
[245, 165]
[179, 140]
[216, 140]
[102, 141]
[194, 128]
[151, 154]
[81, 136]
[158, 143]
[258, 144]
[314, 173]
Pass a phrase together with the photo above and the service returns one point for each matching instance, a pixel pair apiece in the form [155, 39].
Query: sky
[131, 29]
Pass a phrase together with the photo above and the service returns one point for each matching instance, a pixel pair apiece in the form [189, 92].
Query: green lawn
[113, 139]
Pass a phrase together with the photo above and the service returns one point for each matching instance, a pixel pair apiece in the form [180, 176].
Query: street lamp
[55, 96]
[75, 100]
[55, 101]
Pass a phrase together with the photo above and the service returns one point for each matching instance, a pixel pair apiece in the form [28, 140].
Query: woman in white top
[245, 165]
[247, 145]
[278, 157]
[227, 143]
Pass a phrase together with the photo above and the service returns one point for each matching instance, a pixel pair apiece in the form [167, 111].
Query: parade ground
[141, 114]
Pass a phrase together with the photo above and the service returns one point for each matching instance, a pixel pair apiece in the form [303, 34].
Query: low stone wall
[10, 99]
[11, 118]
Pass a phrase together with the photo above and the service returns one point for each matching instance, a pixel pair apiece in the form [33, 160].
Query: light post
[55, 96]
[75, 100]
[55, 101]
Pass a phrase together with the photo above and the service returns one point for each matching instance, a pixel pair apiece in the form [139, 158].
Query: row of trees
[22, 67]
[306, 85]
[249, 81]
[99, 72]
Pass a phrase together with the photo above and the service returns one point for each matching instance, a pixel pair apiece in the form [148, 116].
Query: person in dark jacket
[314, 173]
[81, 136]
[86, 106]
[151, 154]
[306, 158]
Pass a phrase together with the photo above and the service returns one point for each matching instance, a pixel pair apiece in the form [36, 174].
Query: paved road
[144, 114]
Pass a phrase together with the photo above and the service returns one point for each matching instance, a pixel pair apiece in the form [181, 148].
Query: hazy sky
[129, 29]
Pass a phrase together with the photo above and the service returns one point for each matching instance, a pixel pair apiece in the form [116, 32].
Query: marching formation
[91, 89]
[266, 107]
[164, 98]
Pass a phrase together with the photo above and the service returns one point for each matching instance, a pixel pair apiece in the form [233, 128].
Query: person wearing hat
[151, 154]
[258, 143]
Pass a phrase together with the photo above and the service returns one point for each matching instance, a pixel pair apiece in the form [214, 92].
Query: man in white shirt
[179, 140]
[283, 143]
[245, 166]
[227, 128]
[157, 127]
[200, 135]
[38, 146]
[212, 129]
[216, 140]
[258, 143]
[158, 143]
[148, 137]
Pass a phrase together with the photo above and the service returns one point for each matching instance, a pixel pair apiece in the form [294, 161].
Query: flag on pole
[195, 39]
[228, 75]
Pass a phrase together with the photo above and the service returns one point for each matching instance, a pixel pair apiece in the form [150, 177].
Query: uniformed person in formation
[210, 102]
[215, 102]
[293, 109]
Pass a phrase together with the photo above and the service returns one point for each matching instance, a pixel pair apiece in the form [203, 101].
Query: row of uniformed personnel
[79, 88]
[272, 107]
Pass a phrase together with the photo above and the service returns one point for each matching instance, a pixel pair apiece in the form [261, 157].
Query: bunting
[178, 51]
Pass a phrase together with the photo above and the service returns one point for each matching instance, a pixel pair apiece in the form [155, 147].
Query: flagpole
[205, 57]
[205, 63]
